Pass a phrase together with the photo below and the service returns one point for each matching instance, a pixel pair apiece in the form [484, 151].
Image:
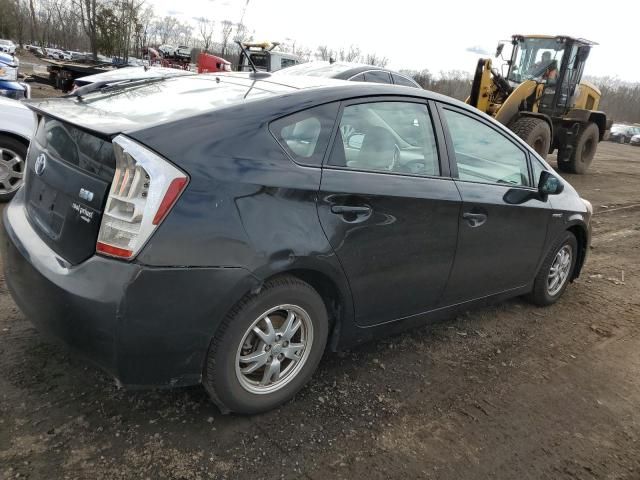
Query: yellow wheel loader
[542, 98]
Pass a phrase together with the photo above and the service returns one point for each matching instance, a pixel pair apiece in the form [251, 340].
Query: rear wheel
[267, 348]
[13, 155]
[534, 131]
[585, 151]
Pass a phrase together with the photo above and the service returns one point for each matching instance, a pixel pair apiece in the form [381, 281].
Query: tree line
[122, 28]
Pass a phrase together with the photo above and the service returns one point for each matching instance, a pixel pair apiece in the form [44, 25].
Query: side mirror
[499, 49]
[549, 184]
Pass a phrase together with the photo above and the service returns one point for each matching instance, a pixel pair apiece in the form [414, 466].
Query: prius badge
[41, 164]
[86, 194]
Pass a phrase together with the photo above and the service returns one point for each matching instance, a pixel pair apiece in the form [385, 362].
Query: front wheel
[535, 132]
[555, 272]
[267, 348]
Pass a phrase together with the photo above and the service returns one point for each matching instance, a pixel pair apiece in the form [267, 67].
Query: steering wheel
[501, 82]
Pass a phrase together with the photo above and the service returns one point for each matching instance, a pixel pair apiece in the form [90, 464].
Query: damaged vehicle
[227, 229]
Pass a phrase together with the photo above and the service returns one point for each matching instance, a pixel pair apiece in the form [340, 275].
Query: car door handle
[474, 219]
[345, 209]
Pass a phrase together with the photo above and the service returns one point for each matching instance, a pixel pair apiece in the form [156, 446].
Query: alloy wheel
[274, 349]
[559, 271]
[11, 171]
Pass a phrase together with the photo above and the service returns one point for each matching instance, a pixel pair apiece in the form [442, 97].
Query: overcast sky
[434, 35]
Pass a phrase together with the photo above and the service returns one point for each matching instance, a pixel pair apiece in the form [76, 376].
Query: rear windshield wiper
[111, 85]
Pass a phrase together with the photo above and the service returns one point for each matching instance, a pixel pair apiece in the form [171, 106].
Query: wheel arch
[582, 237]
[334, 293]
[600, 119]
[24, 140]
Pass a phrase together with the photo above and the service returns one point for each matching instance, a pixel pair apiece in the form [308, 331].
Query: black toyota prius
[228, 229]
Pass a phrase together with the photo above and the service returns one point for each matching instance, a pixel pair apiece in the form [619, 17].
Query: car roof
[339, 70]
[136, 107]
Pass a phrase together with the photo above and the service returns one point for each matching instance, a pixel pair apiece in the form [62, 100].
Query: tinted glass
[400, 80]
[287, 62]
[305, 135]
[74, 146]
[377, 76]
[483, 154]
[387, 136]
[358, 78]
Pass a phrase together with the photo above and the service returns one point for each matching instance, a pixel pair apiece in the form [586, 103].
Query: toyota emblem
[41, 164]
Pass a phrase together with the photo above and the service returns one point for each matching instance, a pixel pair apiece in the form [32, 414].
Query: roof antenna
[246, 54]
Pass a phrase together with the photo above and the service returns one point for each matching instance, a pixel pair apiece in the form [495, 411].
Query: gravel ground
[509, 391]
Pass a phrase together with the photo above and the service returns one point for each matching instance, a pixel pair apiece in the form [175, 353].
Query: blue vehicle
[9, 85]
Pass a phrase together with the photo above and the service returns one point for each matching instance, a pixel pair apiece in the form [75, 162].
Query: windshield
[536, 59]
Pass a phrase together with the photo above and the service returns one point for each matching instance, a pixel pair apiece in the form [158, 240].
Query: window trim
[452, 153]
[415, 84]
[371, 70]
[435, 122]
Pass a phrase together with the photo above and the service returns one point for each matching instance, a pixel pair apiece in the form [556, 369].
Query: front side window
[305, 135]
[392, 137]
[483, 154]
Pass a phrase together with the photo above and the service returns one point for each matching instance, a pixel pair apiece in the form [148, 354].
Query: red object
[113, 251]
[173, 192]
[208, 63]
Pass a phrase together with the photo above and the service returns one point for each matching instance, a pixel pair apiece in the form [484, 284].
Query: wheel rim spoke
[293, 351]
[271, 373]
[292, 325]
[256, 360]
[274, 349]
[559, 270]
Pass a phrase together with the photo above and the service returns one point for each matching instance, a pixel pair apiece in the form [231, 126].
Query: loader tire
[534, 131]
[582, 155]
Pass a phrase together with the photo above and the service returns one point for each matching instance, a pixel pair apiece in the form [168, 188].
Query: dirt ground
[506, 392]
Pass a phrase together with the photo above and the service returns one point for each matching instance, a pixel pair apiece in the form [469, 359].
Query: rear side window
[305, 135]
[377, 76]
[392, 137]
[404, 81]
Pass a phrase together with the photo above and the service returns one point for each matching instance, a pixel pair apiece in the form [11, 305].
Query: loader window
[485, 155]
[534, 59]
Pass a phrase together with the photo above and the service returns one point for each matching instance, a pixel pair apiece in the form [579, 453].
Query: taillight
[145, 187]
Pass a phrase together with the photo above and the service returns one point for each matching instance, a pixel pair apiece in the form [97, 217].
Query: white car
[167, 50]
[635, 140]
[7, 46]
[17, 124]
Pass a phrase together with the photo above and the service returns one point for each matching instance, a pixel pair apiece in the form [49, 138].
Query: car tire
[228, 375]
[545, 292]
[584, 152]
[535, 132]
[12, 166]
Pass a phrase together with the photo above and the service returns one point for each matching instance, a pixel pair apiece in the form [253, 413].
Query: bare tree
[349, 55]
[88, 10]
[227, 29]
[374, 59]
[323, 52]
[205, 27]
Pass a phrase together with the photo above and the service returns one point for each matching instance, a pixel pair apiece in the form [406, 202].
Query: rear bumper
[145, 326]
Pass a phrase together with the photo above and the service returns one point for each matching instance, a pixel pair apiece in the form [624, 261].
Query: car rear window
[305, 135]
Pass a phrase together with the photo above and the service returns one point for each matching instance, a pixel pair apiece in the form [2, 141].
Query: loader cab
[555, 63]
